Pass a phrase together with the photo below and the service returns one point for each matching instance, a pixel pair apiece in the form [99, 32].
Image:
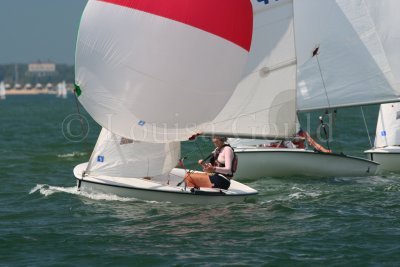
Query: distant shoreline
[30, 92]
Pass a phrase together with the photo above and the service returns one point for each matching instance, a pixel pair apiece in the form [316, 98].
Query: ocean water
[44, 221]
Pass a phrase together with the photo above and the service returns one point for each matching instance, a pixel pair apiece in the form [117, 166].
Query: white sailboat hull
[160, 189]
[388, 158]
[281, 162]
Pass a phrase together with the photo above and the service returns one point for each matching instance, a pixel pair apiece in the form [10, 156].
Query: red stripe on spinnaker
[228, 19]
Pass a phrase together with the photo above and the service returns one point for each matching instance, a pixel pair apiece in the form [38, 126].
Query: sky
[32, 30]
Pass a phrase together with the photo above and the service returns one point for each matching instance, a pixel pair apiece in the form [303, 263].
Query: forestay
[356, 55]
[120, 157]
[264, 102]
[388, 127]
[157, 71]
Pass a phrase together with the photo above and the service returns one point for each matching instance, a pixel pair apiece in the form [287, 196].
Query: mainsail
[264, 102]
[346, 52]
[157, 71]
[388, 127]
[2, 90]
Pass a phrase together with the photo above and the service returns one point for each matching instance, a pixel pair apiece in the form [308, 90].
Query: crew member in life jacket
[219, 171]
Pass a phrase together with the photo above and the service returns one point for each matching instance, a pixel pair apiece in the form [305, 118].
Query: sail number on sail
[266, 1]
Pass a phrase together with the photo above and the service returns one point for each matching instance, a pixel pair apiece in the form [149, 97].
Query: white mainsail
[59, 90]
[158, 71]
[356, 59]
[64, 92]
[388, 127]
[345, 53]
[116, 156]
[264, 102]
[385, 15]
[2, 90]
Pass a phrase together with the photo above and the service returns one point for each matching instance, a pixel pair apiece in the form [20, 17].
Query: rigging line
[79, 113]
[322, 78]
[148, 166]
[83, 134]
[366, 126]
[83, 130]
[198, 147]
[323, 125]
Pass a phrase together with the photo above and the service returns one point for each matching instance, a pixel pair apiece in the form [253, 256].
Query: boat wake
[48, 190]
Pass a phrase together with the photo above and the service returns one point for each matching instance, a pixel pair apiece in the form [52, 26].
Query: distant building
[42, 69]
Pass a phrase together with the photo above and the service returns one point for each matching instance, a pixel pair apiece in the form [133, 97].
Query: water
[292, 222]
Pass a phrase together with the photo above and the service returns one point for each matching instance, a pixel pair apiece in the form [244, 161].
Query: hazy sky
[32, 30]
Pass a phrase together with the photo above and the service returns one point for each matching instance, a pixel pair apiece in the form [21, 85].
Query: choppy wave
[72, 155]
[302, 195]
[392, 188]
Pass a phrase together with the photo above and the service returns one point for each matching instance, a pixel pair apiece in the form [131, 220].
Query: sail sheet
[264, 103]
[345, 56]
[157, 71]
[120, 157]
[388, 126]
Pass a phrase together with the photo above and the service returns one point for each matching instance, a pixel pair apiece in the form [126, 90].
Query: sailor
[219, 171]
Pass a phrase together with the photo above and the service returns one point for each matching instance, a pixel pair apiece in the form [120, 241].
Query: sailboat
[308, 56]
[59, 90]
[62, 90]
[2, 91]
[146, 171]
[141, 66]
[386, 149]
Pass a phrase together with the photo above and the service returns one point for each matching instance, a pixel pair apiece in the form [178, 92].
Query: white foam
[72, 155]
[302, 195]
[297, 188]
[48, 190]
[392, 188]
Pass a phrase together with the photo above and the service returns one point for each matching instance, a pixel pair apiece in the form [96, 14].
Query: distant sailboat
[2, 91]
[386, 150]
[163, 59]
[62, 90]
[307, 56]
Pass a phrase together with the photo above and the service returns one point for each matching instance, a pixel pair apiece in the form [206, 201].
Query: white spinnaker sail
[119, 157]
[264, 102]
[388, 127]
[157, 71]
[357, 56]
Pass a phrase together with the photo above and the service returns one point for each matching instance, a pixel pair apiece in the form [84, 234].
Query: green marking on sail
[78, 90]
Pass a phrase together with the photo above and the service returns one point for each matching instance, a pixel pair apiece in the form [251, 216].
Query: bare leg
[198, 180]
